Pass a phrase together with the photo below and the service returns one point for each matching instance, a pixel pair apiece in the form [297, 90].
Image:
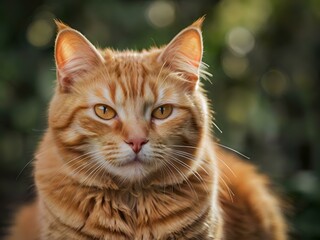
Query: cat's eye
[104, 111]
[162, 112]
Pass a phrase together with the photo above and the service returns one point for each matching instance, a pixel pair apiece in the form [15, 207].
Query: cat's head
[126, 114]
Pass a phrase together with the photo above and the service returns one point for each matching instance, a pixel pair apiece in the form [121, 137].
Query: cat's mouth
[135, 161]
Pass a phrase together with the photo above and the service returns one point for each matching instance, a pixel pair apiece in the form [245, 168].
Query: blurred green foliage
[264, 57]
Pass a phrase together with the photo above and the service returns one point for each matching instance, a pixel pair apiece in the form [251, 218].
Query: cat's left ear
[184, 53]
[74, 56]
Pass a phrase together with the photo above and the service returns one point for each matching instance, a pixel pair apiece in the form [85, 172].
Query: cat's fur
[183, 186]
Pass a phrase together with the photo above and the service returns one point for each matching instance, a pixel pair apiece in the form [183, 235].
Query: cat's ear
[74, 56]
[184, 53]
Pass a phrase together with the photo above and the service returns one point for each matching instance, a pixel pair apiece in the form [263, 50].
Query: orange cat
[128, 153]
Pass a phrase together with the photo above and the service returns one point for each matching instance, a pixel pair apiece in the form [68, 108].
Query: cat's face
[127, 114]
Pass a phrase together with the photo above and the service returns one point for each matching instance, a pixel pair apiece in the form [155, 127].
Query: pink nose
[136, 143]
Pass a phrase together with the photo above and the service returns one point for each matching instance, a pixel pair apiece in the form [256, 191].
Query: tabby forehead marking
[130, 89]
[119, 95]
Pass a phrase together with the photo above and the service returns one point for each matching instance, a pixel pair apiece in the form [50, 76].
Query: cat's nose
[136, 143]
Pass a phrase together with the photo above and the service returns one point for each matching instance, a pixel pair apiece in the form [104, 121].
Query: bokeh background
[264, 56]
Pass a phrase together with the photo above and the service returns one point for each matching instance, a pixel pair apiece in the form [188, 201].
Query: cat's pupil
[161, 110]
[104, 109]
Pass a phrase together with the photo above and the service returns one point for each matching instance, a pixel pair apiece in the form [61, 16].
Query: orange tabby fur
[181, 187]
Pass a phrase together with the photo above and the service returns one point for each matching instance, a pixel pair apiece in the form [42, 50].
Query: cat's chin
[133, 169]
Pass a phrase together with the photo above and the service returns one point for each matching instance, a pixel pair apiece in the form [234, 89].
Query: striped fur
[90, 188]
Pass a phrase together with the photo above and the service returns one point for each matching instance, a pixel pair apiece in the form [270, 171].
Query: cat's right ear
[184, 54]
[74, 56]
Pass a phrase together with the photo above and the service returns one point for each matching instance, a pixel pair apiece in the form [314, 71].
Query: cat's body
[128, 153]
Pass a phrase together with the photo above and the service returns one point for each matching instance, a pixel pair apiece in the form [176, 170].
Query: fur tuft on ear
[74, 56]
[198, 23]
[184, 53]
[60, 25]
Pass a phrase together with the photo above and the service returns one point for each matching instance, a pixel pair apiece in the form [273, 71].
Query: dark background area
[264, 56]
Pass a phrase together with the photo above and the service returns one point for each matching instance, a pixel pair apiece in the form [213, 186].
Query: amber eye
[104, 111]
[162, 112]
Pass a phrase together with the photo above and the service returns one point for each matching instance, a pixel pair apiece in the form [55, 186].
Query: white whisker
[233, 150]
[184, 177]
[216, 126]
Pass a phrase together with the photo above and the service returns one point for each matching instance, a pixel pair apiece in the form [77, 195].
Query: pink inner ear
[184, 53]
[191, 48]
[74, 56]
[71, 46]
[63, 53]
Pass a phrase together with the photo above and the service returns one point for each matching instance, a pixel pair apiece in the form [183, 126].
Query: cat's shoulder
[251, 209]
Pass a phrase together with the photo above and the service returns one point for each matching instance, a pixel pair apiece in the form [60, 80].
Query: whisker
[231, 193]
[171, 174]
[233, 150]
[188, 157]
[194, 172]
[98, 168]
[92, 169]
[216, 126]
[218, 144]
[185, 179]
[227, 166]
[25, 166]
[75, 171]
[184, 146]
